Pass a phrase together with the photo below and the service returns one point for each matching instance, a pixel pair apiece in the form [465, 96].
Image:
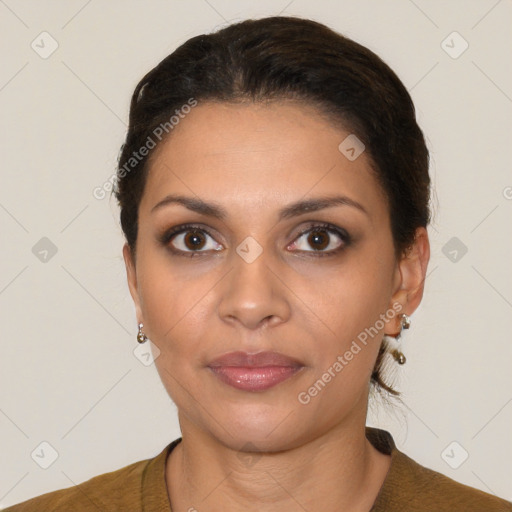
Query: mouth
[254, 372]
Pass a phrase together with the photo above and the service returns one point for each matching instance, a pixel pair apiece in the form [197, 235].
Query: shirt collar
[154, 485]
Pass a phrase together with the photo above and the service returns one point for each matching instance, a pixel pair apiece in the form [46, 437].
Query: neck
[339, 470]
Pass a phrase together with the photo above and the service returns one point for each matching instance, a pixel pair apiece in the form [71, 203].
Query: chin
[265, 427]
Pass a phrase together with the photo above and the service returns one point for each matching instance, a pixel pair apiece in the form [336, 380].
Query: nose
[254, 293]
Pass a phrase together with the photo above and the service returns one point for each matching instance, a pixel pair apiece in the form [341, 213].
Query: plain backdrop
[68, 373]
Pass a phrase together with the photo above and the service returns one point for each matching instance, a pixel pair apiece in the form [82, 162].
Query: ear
[132, 280]
[410, 278]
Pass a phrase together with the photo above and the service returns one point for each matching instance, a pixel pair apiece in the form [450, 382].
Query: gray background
[68, 374]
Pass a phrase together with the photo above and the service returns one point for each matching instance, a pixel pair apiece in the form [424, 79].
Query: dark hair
[278, 58]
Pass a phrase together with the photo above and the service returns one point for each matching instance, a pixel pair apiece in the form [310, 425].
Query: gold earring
[405, 323]
[141, 337]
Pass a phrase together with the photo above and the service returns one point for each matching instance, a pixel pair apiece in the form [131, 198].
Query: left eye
[320, 238]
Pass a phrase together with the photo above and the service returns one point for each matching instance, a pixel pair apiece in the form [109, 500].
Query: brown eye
[322, 240]
[318, 239]
[190, 240]
[194, 240]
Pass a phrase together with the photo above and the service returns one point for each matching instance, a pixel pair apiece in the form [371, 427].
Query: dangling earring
[405, 323]
[141, 337]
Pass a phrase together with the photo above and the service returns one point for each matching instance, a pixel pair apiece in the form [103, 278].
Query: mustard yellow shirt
[141, 486]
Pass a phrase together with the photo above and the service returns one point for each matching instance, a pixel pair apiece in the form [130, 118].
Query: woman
[274, 196]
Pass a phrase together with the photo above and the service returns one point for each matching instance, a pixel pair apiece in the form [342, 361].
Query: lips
[259, 359]
[254, 372]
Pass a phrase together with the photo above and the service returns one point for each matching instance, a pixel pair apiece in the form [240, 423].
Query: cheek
[175, 316]
[169, 300]
[344, 358]
[352, 307]
[357, 293]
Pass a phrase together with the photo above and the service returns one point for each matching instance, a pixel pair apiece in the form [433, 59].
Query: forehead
[259, 154]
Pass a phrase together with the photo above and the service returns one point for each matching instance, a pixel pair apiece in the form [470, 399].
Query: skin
[253, 160]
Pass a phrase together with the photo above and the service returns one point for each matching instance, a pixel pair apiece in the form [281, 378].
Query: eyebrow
[213, 209]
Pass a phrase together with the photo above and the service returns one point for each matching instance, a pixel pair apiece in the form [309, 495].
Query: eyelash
[167, 236]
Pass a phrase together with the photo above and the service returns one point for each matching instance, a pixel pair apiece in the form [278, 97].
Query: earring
[405, 323]
[141, 337]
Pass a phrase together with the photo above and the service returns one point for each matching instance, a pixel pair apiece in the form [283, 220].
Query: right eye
[188, 240]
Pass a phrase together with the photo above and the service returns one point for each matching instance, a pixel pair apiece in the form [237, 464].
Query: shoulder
[411, 487]
[115, 490]
[435, 491]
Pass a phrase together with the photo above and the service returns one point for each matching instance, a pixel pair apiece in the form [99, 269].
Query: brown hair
[278, 58]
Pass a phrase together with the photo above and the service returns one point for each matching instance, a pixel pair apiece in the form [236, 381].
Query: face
[305, 281]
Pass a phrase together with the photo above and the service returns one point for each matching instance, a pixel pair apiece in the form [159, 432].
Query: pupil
[316, 238]
[194, 239]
